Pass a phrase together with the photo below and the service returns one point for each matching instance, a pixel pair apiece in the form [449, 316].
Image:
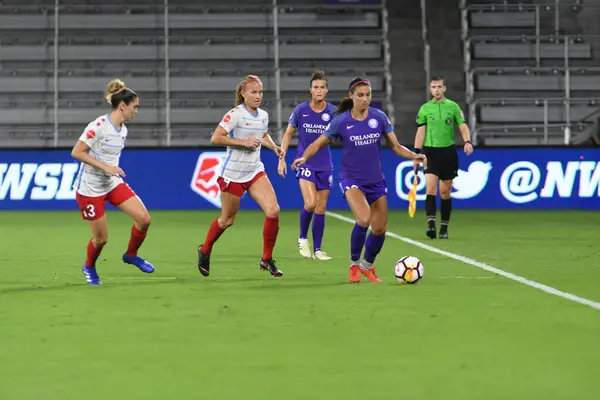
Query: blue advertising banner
[186, 179]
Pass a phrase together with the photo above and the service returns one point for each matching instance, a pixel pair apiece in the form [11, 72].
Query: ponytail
[239, 99]
[317, 75]
[347, 103]
[116, 92]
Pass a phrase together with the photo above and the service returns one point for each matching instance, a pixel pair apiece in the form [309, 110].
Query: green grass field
[461, 333]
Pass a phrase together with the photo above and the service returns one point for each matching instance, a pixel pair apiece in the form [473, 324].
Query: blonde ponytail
[115, 86]
[239, 99]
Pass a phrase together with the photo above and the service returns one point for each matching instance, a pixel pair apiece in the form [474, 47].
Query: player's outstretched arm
[402, 151]
[311, 150]
[221, 138]
[80, 153]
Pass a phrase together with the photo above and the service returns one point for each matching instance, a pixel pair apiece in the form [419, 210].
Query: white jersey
[106, 143]
[242, 164]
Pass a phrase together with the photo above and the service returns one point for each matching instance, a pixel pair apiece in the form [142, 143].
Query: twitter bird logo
[470, 183]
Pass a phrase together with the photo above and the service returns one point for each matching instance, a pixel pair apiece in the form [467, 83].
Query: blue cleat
[139, 262]
[91, 276]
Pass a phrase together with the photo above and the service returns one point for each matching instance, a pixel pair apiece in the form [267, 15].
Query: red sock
[92, 254]
[214, 233]
[270, 230]
[135, 241]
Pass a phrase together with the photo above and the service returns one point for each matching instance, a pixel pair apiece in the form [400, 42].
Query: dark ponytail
[316, 76]
[347, 103]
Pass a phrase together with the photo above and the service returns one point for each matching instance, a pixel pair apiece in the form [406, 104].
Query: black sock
[430, 211]
[446, 210]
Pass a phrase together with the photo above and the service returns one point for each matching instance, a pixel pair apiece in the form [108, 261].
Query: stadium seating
[512, 72]
[210, 47]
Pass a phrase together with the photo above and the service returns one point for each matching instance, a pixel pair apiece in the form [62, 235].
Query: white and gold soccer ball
[409, 269]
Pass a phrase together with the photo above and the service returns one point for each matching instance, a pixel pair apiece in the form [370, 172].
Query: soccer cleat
[354, 274]
[321, 255]
[139, 262]
[431, 233]
[203, 262]
[370, 274]
[91, 276]
[444, 231]
[269, 265]
[304, 248]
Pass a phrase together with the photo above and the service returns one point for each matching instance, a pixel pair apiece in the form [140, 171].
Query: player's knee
[363, 220]
[145, 222]
[100, 240]
[320, 208]
[227, 221]
[379, 230]
[310, 205]
[272, 211]
[444, 193]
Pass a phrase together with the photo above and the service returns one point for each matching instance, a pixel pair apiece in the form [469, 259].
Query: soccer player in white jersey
[100, 180]
[243, 130]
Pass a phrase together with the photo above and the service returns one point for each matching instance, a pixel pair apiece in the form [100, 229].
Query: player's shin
[357, 241]
[135, 241]
[270, 231]
[318, 228]
[214, 232]
[93, 253]
[372, 248]
[305, 218]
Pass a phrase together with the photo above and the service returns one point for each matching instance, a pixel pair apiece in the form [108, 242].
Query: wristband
[468, 141]
[418, 151]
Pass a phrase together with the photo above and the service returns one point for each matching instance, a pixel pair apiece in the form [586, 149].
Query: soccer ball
[409, 270]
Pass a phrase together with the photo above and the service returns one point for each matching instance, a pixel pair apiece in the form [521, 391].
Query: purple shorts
[372, 191]
[323, 180]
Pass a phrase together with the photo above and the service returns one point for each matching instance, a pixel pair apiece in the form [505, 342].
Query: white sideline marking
[489, 268]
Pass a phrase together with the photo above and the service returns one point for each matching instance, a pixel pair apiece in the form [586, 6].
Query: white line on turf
[489, 268]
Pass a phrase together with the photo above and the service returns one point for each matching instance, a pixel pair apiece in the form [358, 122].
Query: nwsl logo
[204, 180]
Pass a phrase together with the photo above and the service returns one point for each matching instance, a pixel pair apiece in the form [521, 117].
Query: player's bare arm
[268, 142]
[221, 138]
[466, 135]
[311, 150]
[402, 151]
[287, 137]
[285, 144]
[80, 153]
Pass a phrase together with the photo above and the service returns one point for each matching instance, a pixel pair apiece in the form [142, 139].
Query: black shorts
[442, 162]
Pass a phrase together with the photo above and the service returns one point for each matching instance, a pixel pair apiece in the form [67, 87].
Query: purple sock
[305, 217]
[373, 247]
[318, 227]
[357, 241]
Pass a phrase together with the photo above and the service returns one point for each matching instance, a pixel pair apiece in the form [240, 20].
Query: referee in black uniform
[435, 138]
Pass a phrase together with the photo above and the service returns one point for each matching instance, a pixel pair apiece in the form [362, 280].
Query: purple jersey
[361, 141]
[310, 126]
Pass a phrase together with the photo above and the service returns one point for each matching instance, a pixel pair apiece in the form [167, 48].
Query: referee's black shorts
[442, 162]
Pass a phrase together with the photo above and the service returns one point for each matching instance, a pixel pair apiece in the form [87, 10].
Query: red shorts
[92, 208]
[238, 188]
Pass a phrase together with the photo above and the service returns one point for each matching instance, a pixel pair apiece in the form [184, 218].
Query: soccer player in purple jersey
[361, 129]
[315, 177]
